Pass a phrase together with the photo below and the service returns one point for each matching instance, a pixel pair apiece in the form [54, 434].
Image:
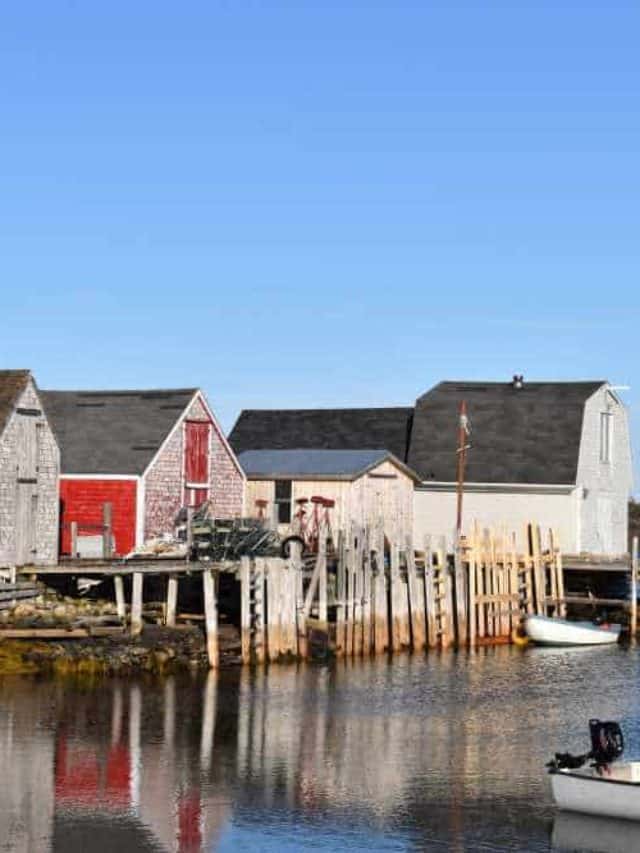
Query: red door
[196, 462]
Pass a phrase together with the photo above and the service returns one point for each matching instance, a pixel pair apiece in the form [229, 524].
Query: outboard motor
[607, 742]
[607, 745]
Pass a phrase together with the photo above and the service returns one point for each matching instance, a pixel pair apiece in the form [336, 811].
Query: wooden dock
[363, 594]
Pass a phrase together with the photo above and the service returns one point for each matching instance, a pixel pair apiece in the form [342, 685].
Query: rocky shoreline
[112, 650]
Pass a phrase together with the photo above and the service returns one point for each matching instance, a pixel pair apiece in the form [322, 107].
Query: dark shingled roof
[331, 429]
[112, 432]
[315, 464]
[12, 384]
[526, 435]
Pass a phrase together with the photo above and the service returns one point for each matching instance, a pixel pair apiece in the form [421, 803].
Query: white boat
[613, 791]
[596, 782]
[561, 632]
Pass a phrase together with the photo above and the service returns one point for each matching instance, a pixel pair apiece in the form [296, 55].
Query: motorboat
[561, 632]
[596, 783]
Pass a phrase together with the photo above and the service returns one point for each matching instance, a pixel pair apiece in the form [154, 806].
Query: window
[606, 434]
[283, 501]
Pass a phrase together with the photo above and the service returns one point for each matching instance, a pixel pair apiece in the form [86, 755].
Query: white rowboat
[561, 632]
[612, 792]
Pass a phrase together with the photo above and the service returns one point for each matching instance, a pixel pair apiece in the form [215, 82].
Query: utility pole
[463, 446]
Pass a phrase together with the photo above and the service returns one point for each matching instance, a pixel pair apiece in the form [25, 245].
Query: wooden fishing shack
[301, 489]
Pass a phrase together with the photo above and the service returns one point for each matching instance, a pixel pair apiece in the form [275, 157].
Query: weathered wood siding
[29, 470]
[384, 491]
[164, 482]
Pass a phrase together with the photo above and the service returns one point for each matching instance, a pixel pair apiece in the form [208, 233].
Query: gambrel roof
[530, 434]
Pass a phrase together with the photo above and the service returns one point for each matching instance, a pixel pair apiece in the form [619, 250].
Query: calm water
[444, 753]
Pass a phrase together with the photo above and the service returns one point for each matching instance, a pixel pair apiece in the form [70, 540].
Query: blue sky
[296, 204]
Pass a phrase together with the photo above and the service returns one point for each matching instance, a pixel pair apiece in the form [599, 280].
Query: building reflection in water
[447, 752]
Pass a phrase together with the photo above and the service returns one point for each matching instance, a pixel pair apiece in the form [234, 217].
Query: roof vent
[518, 381]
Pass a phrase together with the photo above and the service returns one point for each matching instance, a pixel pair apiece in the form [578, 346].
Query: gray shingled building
[29, 469]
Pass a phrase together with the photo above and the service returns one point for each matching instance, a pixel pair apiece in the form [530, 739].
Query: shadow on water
[445, 752]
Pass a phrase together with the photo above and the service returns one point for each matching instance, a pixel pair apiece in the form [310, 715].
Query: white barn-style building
[556, 453]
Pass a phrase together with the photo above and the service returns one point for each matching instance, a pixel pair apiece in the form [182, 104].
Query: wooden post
[503, 585]
[367, 593]
[416, 600]
[562, 607]
[528, 570]
[551, 566]
[211, 616]
[292, 569]
[634, 588]
[380, 619]
[136, 604]
[322, 583]
[298, 594]
[274, 593]
[349, 594]
[121, 608]
[172, 601]
[74, 538]
[396, 600]
[430, 594]
[245, 608]
[190, 511]
[354, 604]
[259, 609]
[358, 580]
[405, 613]
[541, 587]
[341, 594]
[490, 576]
[480, 580]
[460, 592]
[447, 592]
[107, 526]
[514, 582]
[472, 564]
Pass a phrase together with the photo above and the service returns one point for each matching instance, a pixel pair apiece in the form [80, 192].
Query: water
[437, 753]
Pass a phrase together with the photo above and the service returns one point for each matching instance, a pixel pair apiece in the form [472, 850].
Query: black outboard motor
[607, 742]
[607, 745]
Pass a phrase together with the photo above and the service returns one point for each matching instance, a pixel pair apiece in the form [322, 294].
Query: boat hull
[604, 796]
[574, 831]
[560, 632]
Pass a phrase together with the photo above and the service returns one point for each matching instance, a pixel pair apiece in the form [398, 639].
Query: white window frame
[606, 437]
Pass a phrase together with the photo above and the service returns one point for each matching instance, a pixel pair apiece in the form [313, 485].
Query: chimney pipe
[518, 381]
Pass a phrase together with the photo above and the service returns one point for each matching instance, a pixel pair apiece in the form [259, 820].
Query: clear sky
[315, 204]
